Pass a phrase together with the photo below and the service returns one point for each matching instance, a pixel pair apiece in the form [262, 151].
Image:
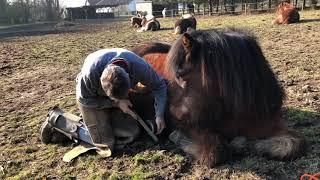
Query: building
[92, 9]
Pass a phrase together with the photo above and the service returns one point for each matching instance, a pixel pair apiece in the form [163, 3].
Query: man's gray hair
[115, 82]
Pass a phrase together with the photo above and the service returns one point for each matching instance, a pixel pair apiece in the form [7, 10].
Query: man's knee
[98, 123]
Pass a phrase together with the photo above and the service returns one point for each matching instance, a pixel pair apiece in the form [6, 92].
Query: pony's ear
[187, 41]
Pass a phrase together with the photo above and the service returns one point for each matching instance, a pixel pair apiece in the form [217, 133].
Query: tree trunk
[217, 5]
[49, 10]
[255, 4]
[233, 6]
[3, 6]
[269, 4]
[3, 11]
[26, 11]
[210, 7]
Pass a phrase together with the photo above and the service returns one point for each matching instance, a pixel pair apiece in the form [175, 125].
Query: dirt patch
[38, 72]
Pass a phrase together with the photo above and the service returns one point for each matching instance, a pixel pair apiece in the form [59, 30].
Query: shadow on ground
[309, 20]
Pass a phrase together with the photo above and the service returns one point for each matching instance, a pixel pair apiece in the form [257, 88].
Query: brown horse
[182, 25]
[222, 87]
[151, 24]
[286, 14]
[136, 22]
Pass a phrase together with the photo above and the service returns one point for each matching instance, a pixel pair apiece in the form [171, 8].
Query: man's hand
[125, 105]
[160, 124]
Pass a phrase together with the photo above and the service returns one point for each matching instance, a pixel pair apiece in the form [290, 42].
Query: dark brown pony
[181, 25]
[152, 24]
[286, 14]
[136, 22]
[222, 87]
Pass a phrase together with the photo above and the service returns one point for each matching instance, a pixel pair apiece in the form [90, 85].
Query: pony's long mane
[232, 62]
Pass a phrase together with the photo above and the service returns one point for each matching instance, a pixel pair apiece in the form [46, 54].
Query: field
[38, 71]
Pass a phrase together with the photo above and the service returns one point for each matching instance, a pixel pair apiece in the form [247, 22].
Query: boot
[61, 127]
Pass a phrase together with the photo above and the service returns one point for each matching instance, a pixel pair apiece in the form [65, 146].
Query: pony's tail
[283, 147]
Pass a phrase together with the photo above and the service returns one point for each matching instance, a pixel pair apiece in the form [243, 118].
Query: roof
[108, 3]
[99, 3]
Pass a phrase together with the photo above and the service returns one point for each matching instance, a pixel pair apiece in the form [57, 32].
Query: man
[102, 95]
[164, 12]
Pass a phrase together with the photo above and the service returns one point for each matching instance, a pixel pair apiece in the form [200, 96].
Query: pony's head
[225, 64]
[285, 6]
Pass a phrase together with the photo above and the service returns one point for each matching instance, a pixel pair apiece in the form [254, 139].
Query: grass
[38, 72]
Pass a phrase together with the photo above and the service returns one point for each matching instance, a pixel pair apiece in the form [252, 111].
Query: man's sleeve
[159, 89]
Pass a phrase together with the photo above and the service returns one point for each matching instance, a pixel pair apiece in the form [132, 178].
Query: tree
[52, 9]
[199, 3]
[3, 8]
[210, 2]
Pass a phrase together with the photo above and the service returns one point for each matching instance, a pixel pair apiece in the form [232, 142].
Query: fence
[237, 8]
[37, 11]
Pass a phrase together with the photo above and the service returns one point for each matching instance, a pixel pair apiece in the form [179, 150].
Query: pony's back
[155, 53]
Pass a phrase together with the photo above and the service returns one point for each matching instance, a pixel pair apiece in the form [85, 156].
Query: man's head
[115, 82]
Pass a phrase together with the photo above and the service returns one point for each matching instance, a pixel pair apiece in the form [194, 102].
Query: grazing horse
[182, 25]
[286, 14]
[221, 87]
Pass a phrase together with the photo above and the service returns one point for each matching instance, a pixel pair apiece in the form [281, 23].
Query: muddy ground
[38, 71]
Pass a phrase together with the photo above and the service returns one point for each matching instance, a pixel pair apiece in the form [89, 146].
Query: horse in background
[184, 24]
[145, 23]
[286, 13]
[221, 88]
[136, 22]
[149, 22]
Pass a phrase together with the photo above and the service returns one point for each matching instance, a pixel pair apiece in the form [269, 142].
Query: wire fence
[237, 8]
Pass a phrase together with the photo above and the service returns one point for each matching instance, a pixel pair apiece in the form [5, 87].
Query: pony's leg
[177, 30]
[211, 148]
[208, 148]
[284, 145]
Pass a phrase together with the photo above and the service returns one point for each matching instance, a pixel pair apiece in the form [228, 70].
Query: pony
[286, 14]
[155, 53]
[184, 24]
[136, 22]
[220, 88]
[149, 24]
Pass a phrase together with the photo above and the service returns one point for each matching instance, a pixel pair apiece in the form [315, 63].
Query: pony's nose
[180, 73]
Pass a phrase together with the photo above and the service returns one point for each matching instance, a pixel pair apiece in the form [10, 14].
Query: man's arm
[158, 86]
